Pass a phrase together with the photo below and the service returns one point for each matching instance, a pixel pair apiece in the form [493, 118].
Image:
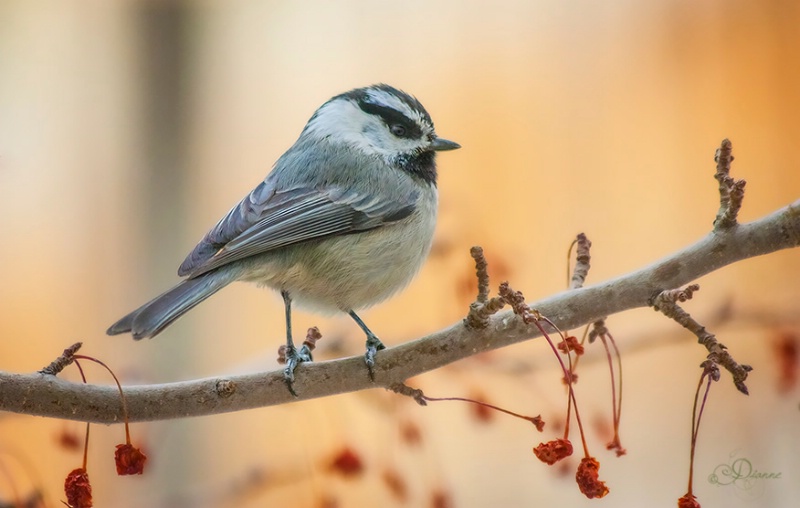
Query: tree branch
[483, 329]
[46, 395]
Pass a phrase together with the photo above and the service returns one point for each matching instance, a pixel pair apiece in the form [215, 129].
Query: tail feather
[151, 318]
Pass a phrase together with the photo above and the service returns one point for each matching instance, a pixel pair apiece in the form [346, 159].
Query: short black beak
[442, 145]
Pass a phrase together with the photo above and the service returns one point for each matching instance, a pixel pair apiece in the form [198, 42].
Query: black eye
[398, 130]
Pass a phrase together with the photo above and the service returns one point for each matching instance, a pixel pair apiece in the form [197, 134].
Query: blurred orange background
[128, 128]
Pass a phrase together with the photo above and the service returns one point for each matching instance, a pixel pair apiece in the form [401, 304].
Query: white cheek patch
[344, 122]
[335, 118]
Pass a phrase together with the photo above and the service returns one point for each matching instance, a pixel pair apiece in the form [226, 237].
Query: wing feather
[267, 220]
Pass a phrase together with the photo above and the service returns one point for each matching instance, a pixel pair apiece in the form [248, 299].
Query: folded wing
[268, 219]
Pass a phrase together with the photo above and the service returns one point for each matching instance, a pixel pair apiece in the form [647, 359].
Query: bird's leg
[374, 344]
[293, 355]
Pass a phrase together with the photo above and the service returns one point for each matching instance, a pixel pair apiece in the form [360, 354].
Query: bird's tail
[151, 318]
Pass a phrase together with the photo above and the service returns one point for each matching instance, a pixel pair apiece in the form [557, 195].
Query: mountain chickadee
[344, 220]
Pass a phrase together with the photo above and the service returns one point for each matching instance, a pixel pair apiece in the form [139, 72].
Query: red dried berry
[129, 460]
[588, 478]
[617, 447]
[571, 344]
[553, 451]
[347, 463]
[688, 501]
[78, 489]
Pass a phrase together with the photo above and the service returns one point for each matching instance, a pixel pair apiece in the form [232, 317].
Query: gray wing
[267, 219]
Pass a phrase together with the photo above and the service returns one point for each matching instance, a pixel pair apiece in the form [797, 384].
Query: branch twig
[666, 302]
[483, 307]
[582, 258]
[60, 363]
[731, 191]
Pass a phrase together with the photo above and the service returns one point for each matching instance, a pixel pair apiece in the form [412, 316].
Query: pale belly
[348, 272]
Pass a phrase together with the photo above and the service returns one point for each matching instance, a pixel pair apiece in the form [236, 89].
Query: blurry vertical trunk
[161, 28]
[163, 88]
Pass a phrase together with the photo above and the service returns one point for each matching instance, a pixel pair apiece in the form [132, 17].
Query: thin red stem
[86, 440]
[617, 409]
[86, 448]
[696, 416]
[121, 394]
[485, 404]
[619, 370]
[613, 384]
[582, 343]
[566, 373]
[568, 379]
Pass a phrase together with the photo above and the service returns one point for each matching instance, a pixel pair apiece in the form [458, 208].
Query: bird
[344, 220]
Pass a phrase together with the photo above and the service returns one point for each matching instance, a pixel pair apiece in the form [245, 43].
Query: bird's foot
[293, 358]
[374, 345]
